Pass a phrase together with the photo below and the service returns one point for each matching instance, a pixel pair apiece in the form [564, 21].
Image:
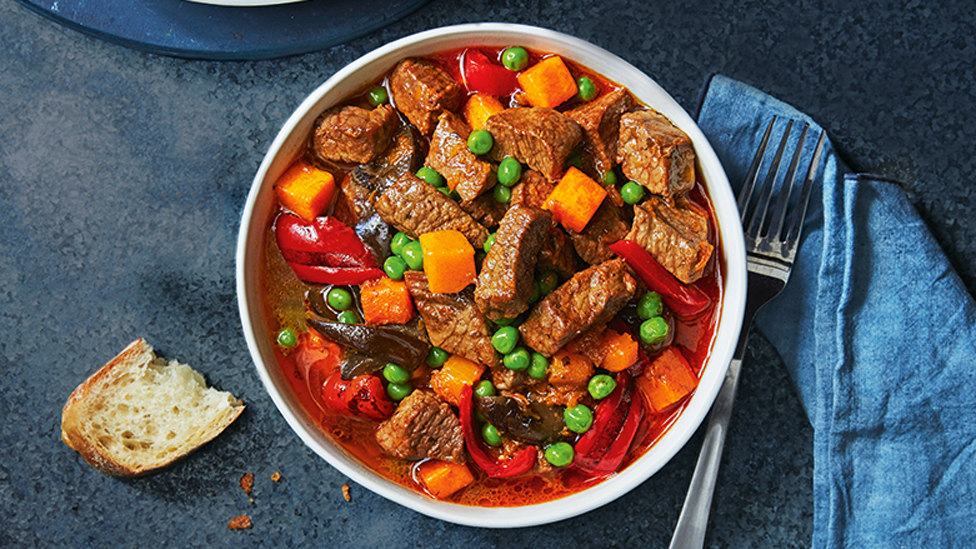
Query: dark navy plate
[204, 31]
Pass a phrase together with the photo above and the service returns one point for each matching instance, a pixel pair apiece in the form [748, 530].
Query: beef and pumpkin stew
[493, 276]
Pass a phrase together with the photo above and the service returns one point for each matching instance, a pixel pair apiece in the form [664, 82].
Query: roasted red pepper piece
[682, 299]
[603, 447]
[363, 396]
[482, 76]
[324, 251]
[521, 462]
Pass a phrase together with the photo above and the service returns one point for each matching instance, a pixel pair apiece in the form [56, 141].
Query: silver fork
[770, 248]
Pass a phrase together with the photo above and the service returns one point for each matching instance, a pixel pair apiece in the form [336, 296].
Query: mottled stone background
[123, 175]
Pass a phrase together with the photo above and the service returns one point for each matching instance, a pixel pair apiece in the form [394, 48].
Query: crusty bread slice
[139, 414]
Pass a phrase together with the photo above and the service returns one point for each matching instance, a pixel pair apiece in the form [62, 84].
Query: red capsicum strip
[324, 251]
[682, 299]
[602, 448]
[482, 76]
[521, 462]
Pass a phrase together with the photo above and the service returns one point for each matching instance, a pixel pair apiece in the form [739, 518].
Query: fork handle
[690, 530]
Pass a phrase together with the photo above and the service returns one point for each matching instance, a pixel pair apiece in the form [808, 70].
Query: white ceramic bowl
[287, 146]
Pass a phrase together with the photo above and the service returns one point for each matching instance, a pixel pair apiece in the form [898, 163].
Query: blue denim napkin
[879, 334]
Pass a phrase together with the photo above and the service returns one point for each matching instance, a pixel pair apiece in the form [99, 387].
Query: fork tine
[749, 183]
[759, 215]
[799, 214]
[786, 189]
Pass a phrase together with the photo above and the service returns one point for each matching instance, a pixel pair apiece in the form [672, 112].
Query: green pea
[509, 171]
[398, 391]
[431, 176]
[515, 59]
[287, 338]
[436, 357]
[560, 454]
[601, 385]
[490, 434]
[489, 242]
[502, 194]
[484, 388]
[339, 299]
[505, 339]
[394, 267]
[536, 292]
[508, 321]
[399, 240]
[480, 141]
[587, 89]
[395, 374]
[517, 360]
[413, 254]
[650, 305]
[610, 178]
[378, 96]
[632, 192]
[548, 282]
[539, 366]
[579, 418]
[348, 317]
[654, 330]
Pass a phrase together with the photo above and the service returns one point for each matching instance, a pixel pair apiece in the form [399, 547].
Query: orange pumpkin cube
[619, 351]
[448, 261]
[305, 190]
[548, 83]
[450, 379]
[666, 380]
[386, 301]
[443, 478]
[479, 108]
[575, 199]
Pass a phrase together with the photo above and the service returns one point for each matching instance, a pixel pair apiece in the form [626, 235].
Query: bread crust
[137, 354]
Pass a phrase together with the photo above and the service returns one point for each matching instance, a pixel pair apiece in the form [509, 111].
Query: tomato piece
[366, 397]
[482, 76]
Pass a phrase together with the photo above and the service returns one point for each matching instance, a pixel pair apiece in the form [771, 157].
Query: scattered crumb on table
[239, 522]
[345, 492]
[276, 476]
[247, 482]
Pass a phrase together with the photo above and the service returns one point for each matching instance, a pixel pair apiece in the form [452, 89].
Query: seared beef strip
[557, 254]
[600, 121]
[449, 154]
[591, 297]
[676, 236]
[416, 207]
[542, 138]
[423, 426]
[422, 91]
[532, 190]
[486, 210]
[454, 322]
[505, 282]
[655, 153]
[607, 226]
[353, 134]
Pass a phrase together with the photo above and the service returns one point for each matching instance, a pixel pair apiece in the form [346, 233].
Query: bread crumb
[345, 492]
[276, 476]
[239, 522]
[247, 482]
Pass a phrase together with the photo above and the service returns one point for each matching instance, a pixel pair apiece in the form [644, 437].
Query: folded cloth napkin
[879, 335]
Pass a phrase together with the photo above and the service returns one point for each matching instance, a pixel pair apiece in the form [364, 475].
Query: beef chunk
[676, 236]
[422, 91]
[353, 134]
[423, 426]
[416, 207]
[454, 322]
[607, 226]
[655, 153]
[449, 155]
[593, 296]
[557, 254]
[532, 190]
[505, 282]
[542, 138]
[600, 121]
[486, 210]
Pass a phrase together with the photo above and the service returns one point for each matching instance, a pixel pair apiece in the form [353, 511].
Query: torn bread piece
[139, 413]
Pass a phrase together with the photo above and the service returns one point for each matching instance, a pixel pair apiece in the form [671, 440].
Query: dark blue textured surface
[206, 31]
[122, 178]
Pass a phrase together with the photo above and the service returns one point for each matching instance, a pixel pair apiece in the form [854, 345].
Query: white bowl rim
[730, 313]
